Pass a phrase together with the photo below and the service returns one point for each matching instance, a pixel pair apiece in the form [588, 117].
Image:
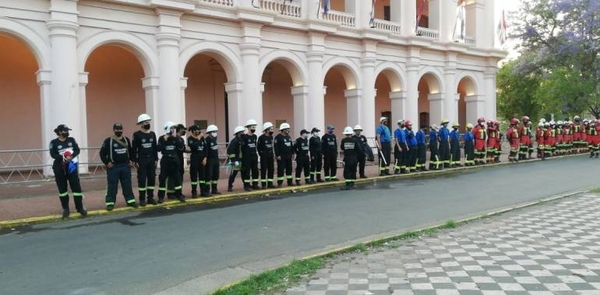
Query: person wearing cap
[400, 149]
[213, 165]
[330, 153]
[352, 152]
[117, 156]
[197, 147]
[250, 159]
[235, 155]
[301, 150]
[145, 158]
[170, 146]
[455, 146]
[267, 157]
[64, 150]
[469, 140]
[283, 153]
[421, 148]
[444, 140]
[434, 156]
[364, 146]
[383, 139]
[316, 155]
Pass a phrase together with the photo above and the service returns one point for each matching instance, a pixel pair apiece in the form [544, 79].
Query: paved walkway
[552, 248]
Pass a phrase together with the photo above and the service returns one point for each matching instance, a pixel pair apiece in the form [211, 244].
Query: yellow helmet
[469, 126]
[444, 121]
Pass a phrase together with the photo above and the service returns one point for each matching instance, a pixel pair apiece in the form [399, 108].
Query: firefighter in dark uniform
[455, 146]
[352, 152]
[413, 145]
[180, 134]
[250, 160]
[170, 145]
[116, 155]
[316, 156]
[330, 151]
[284, 152]
[469, 140]
[421, 148]
[236, 157]
[267, 157]
[301, 150]
[364, 146]
[434, 158]
[145, 157]
[444, 141]
[213, 165]
[64, 151]
[197, 147]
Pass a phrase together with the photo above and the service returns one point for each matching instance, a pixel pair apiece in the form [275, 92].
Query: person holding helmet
[512, 135]
[213, 165]
[364, 146]
[316, 155]
[330, 154]
[169, 145]
[235, 154]
[421, 148]
[383, 139]
[116, 155]
[352, 152]
[145, 158]
[64, 150]
[444, 139]
[301, 150]
[469, 140]
[250, 159]
[525, 138]
[284, 152]
[267, 158]
[480, 136]
[411, 142]
[197, 147]
[455, 146]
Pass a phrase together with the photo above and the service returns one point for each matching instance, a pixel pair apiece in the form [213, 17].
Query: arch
[472, 85]
[224, 55]
[144, 52]
[38, 46]
[432, 76]
[289, 60]
[394, 73]
[349, 70]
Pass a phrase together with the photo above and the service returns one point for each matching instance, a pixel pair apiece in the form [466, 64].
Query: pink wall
[205, 92]
[335, 101]
[20, 108]
[423, 101]
[278, 102]
[382, 100]
[114, 92]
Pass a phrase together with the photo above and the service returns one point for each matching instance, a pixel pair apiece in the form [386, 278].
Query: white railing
[470, 41]
[387, 26]
[342, 18]
[428, 33]
[282, 7]
[219, 2]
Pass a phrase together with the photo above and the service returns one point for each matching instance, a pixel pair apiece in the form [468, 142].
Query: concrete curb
[440, 226]
[255, 194]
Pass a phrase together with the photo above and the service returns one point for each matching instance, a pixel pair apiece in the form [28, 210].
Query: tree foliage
[517, 93]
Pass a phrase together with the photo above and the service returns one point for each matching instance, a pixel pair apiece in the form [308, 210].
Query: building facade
[89, 64]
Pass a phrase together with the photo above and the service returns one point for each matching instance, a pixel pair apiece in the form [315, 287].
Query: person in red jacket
[512, 135]
[525, 138]
[492, 134]
[498, 151]
[577, 132]
[568, 137]
[584, 135]
[550, 138]
[540, 138]
[560, 138]
[595, 138]
[480, 135]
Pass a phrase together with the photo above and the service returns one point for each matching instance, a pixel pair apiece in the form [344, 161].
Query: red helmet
[497, 123]
[407, 123]
[480, 119]
[514, 121]
[525, 119]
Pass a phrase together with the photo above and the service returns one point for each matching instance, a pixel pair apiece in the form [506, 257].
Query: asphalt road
[194, 249]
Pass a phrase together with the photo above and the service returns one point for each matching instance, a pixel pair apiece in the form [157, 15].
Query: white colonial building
[89, 64]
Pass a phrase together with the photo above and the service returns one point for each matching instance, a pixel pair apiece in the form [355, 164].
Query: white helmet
[211, 128]
[251, 122]
[284, 126]
[552, 122]
[143, 117]
[267, 125]
[348, 130]
[542, 120]
[238, 129]
[559, 123]
[168, 125]
[357, 127]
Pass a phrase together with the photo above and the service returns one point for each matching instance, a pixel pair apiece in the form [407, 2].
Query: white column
[234, 99]
[64, 101]
[367, 119]
[44, 80]
[84, 155]
[436, 108]
[399, 100]
[353, 97]
[489, 27]
[450, 110]
[316, 91]
[477, 9]
[151, 86]
[396, 9]
[312, 8]
[435, 14]
[475, 108]
[252, 103]
[489, 82]
[447, 19]
[408, 17]
[182, 87]
[301, 108]
[170, 101]
[245, 3]
[411, 111]
[363, 17]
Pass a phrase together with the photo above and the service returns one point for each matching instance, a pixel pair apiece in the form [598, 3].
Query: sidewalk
[553, 248]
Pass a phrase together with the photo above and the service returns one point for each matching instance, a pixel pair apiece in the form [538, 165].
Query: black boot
[263, 185]
[205, 191]
[142, 200]
[194, 191]
[271, 185]
[214, 189]
[79, 206]
[64, 203]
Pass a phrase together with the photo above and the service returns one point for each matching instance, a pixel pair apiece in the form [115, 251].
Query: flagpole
[319, 9]
[372, 20]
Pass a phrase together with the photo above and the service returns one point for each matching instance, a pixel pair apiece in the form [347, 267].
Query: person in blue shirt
[455, 146]
[411, 141]
[434, 159]
[383, 138]
[399, 147]
[421, 149]
[443, 138]
[469, 146]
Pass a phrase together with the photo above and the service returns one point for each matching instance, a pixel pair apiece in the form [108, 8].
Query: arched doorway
[114, 92]
[20, 105]
[278, 97]
[341, 98]
[431, 110]
[389, 100]
[467, 110]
